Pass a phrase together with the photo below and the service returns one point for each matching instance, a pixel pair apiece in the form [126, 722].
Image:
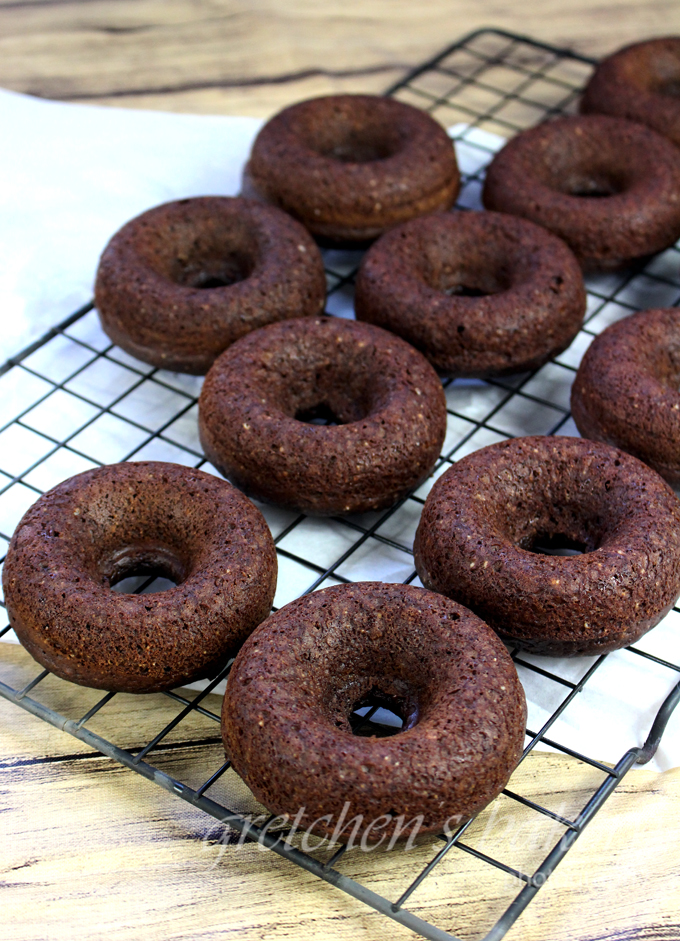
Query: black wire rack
[73, 401]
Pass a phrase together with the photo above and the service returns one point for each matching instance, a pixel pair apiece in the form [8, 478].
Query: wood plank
[128, 721]
[240, 57]
[148, 864]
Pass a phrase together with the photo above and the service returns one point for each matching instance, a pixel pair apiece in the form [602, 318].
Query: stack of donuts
[329, 416]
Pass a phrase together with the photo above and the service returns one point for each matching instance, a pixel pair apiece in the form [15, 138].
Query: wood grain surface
[240, 57]
[88, 849]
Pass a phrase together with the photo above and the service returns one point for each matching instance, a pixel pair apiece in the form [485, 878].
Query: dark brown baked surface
[609, 187]
[350, 166]
[626, 390]
[641, 83]
[181, 282]
[485, 514]
[285, 719]
[261, 396]
[478, 293]
[94, 529]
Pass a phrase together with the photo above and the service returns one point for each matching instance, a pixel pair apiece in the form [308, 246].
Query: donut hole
[551, 507]
[359, 148]
[566, 531]
[588, 169]
[328, 394]
[375, 702]
[593, 186]
[664, 71]
[464, 290]
[471, 282]
[144, 583]
[488, 274]
[380, 714]
[360, 138]
[213, 270]
[556, 544]
[320, 414]
[591, 181]
[566, 526]
[333, 408]
[205, 253]
[356, 145]
[143, 570]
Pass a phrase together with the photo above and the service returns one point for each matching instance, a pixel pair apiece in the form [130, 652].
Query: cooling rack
[72, 401]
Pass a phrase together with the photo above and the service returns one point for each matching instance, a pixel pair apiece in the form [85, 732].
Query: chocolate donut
[626, 390]
[641, 83]
[293, 686]
[95, 529]
[178, 284]
[479, 293]
[350, 166]
[486, 514]
[610, 188]
[383, 401]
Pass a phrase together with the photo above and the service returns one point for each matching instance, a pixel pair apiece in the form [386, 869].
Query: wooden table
[240, 57]
[89, 849]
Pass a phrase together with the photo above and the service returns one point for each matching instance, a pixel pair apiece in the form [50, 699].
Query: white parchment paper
[71, 175]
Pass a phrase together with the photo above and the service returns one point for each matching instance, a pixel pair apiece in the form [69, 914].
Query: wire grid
[74, 401]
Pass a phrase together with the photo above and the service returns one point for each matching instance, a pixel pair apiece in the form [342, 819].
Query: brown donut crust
[404, 165]
[537, 172]
[626, 389]
[483, 515]
[290, 740]
[90, 530]
[534, 295]
[388, 399]
[630, 84]
[148, 289]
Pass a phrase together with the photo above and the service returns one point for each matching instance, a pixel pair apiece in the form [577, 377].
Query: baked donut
[293, 686]
[95, 529]
[479, 293]
[626, 390]
[610, 188]
[641, 83]
[383, 401]
[350, 166]
[484, 518]
[178, 284]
